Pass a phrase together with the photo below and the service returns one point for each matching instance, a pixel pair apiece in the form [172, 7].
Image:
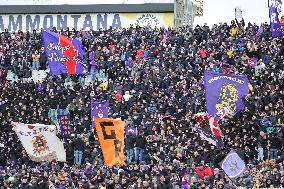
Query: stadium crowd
[155, 83]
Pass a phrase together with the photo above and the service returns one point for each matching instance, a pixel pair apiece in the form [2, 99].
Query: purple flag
[233, 165]
[276, 18]
[225, 90]
[64, 55]
[99, 110]
[132, 130]
[64, 123]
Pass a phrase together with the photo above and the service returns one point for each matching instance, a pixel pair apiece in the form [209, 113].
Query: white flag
[238, 13]
[40, 142]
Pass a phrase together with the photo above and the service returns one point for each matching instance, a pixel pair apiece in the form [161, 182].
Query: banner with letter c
[111, 137]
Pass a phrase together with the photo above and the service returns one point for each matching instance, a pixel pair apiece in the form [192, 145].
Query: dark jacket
[129, 142]
[140, 141]
[79, 144]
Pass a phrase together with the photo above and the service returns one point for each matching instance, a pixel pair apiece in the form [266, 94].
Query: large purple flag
[64, 123]
[99, 110]
[276, 16]
[225, 91]
[64, 55]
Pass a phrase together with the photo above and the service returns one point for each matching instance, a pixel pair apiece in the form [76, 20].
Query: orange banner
[111, 137]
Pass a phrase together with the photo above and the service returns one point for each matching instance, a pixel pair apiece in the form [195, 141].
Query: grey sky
[215, 11]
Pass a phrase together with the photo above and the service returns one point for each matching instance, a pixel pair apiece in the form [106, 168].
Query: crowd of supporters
[155, 84]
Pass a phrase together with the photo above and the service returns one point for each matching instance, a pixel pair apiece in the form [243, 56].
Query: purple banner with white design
[225, 90]
[99, 110]
[130, 130]
[276, 15]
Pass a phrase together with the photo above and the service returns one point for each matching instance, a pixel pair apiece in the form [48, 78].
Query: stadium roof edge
[100, 8]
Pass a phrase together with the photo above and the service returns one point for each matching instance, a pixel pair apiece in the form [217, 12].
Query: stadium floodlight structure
[185, 12]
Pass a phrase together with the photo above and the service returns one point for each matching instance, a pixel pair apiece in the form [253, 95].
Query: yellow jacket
[234, 31]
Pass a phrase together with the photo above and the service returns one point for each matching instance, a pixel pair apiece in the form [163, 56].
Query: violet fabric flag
[132, 130]
[64, 55]
[64, 123]
[99, 110]
[276, 15]
[225, 90]
[233, 165]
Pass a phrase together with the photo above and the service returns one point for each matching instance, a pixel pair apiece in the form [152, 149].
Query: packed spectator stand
[153, 79]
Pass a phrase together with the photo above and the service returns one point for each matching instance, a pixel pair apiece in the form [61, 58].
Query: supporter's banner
[225, 90]
[276, 15]
[252, 62]
[64, 55]
[64, 124]
[90, 21]
[208, 129]
[40, 142]
[130, 130]
[233, 165]
[111, 137]
[99, 110]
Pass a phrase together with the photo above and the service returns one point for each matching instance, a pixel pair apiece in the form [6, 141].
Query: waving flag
[208, 129]
[225, 90]
[99, 110]
[276, 16]
[111, 137]
[233, 165]
[65, 55]
[40, 142]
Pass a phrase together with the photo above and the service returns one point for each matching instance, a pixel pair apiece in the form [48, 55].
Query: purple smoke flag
[233, 165]
[64, 55]
[99, 110]
[65, 127]
[132, 130]
[276, 18]
[225, 90]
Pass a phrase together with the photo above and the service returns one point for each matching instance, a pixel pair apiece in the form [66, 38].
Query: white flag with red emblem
[40, 142]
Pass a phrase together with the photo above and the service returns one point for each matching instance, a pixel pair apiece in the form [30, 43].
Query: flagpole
[233, 182]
